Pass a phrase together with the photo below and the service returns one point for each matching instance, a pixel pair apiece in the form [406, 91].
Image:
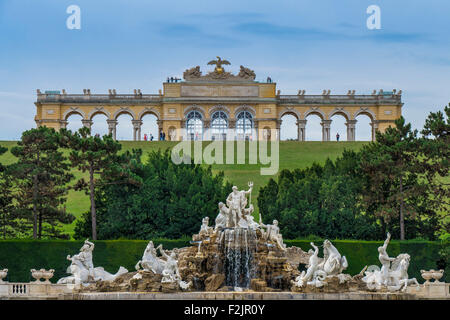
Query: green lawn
[293, 155]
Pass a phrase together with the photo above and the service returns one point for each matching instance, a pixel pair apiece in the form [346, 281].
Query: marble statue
[273, 233]
[167, 267]
[248, 221]
[333, 263]
[314, 260]
[222, 218]
[82, 268]
[150, 260]
[385, 261]
[3, 274]
[319, 269]
[236, 202]
[393, 275]
[171, 272]
[205, 229]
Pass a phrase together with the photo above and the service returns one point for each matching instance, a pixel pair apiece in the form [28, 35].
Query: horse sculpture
[319, 269]
[150, 261]
[333, 263]
[397, 275]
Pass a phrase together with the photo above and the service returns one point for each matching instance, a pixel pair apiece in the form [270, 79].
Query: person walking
[337, 137]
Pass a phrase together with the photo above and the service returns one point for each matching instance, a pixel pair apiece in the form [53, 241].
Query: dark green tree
[436, 157]
[91, 154]
[41, 175]
[155, 199]
[396, 186]
[8, 221]
[321, 200]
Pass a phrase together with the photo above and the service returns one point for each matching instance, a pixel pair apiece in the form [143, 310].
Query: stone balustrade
[281, 99]
[33, 290]
[431, 290]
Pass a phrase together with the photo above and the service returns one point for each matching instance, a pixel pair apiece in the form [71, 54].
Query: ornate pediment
[219, 73]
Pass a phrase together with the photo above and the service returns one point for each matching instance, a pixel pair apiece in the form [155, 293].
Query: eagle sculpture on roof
[219, 62]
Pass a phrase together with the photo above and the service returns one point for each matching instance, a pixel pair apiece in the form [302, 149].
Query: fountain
[237, 258]
[239, 254]
[239, 249]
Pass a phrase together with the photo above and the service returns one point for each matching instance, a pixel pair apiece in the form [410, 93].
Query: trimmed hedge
[19, 256]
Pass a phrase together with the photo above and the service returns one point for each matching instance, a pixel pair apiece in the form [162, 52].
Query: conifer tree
[8, 221]
[396, 186]
[436, 156]
[41, 175]
[91, 154]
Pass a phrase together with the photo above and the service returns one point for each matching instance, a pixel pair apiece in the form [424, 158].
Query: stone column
[350, 130]
[256, 126]
[183, 133]
[136, 129]
[160, 127]
[206, 130]
[277, 132]
[87, 123]
[301, 126]
[231, 132]
[112, 124]
[326, 130]
[374, 125]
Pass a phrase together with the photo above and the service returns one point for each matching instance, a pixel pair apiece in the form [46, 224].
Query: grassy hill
[293, 155]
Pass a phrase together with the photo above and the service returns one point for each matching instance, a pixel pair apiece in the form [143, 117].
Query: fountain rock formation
[236, 254]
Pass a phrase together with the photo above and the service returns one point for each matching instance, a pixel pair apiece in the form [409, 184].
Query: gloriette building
[219, 105]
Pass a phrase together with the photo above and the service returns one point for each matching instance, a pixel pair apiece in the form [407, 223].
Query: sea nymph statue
[82, 268]
[393, 275]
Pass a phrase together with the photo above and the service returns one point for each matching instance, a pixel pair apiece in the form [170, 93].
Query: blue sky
[311, 45]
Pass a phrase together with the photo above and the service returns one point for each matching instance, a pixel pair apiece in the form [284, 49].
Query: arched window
[194, 125]
[244, 126]
[219, 126]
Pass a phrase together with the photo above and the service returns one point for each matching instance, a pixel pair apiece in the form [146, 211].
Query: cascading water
[239, 248]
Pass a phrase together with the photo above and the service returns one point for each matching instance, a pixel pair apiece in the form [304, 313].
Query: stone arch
[340, 111]
[286, 124]
[196, 108]
[100, 110]
[367, 112]
[220, 107]
[373, 121]
[149, 111]
[122, 111]
[316, 111]
[72, 111]
[245, 108]
[290, 111]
